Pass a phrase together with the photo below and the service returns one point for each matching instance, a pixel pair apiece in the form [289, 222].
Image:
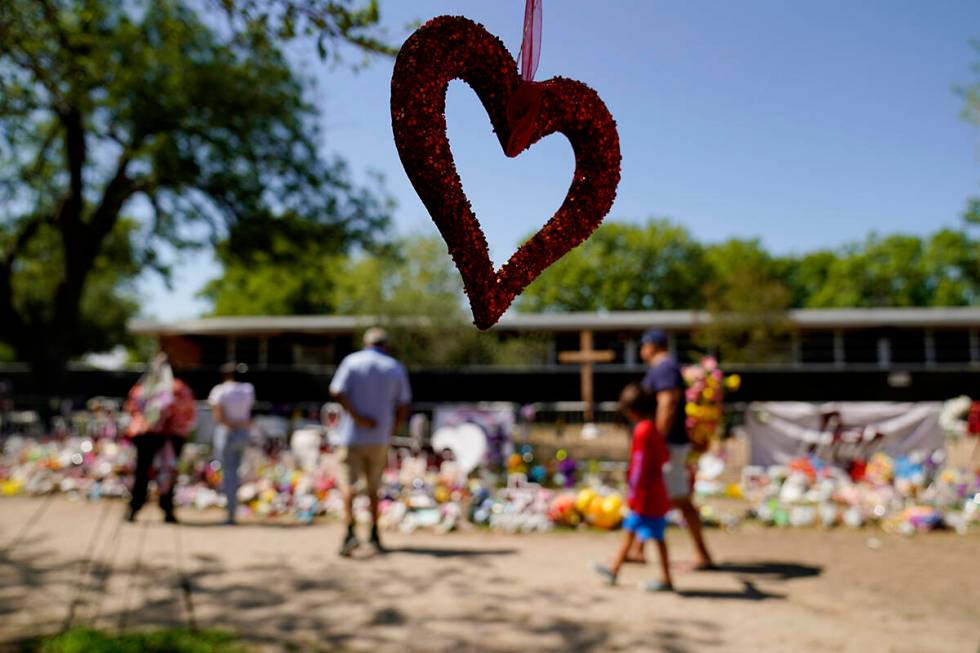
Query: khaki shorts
[366, 460]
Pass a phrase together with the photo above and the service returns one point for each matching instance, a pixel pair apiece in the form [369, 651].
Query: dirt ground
[281, 587]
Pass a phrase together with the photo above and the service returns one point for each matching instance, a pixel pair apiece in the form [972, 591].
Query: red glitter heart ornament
[522, 113]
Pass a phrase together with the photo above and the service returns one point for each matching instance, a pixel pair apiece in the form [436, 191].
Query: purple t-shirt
[666, 375]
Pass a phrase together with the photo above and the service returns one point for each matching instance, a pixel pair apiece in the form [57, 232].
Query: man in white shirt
[373, 389]
[231, 405]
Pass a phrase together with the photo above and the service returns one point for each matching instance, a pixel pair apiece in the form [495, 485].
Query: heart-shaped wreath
[521, 112]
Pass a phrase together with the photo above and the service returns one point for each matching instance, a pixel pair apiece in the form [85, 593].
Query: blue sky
[807, 125]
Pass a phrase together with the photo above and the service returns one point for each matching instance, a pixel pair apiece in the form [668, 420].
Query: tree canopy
[128, 125]
[410, 286]
[898, 270]
[659, 265]
[655, 266]
[413, 288]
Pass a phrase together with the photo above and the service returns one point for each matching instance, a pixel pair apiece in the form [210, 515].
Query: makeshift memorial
[908, 494]
[522, 112]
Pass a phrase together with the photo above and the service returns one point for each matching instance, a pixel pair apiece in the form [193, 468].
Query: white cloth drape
[841, 431]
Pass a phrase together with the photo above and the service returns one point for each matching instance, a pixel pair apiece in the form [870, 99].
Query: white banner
[839, 432]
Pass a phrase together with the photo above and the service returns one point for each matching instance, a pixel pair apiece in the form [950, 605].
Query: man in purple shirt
[663, 379]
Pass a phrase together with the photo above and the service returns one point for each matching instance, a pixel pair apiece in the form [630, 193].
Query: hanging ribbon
[531, 43]
[525, 104]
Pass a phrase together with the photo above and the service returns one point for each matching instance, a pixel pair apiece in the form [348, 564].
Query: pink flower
[709, 363]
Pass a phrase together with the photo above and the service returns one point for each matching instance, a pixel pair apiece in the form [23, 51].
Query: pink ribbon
[531, 44]
[525, 104]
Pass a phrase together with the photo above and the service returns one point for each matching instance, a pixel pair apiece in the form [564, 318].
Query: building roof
[596, 321]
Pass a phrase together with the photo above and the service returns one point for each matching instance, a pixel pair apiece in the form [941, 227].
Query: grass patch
[172, 640]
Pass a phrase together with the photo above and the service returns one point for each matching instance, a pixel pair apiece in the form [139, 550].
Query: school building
[832, 354]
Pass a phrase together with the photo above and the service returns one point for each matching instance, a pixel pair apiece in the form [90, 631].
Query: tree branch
[10, 323]
[40, 74]
[27, 231]
[51, 16]
[119, 189]
[42, 156]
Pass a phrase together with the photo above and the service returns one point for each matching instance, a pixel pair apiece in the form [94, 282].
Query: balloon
[612, 504]
[467, 442]
[584, 500]
[605, 512]
[538, 473]
[562, 510]
[594, 511]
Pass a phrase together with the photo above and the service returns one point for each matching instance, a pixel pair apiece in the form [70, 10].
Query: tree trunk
[47, 342]
[48, 367]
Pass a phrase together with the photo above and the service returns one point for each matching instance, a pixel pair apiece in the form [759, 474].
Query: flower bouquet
[705, 395]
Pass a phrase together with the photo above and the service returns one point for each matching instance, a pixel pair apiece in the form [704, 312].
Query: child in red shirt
[648, 500]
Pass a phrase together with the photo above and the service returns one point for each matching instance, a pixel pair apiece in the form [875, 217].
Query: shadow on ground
[771, 569]
[328, 607]
[749, 592]
[328, 604]
[450, 553]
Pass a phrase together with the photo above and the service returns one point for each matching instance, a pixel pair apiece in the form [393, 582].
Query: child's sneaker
[605, 572]
[656, 586]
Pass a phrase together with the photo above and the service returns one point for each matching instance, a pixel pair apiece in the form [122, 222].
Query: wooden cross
[585, 357]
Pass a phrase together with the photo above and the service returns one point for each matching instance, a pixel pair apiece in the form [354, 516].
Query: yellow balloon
[612, 504]
[605, 512]
[595, 508]
[584, 500]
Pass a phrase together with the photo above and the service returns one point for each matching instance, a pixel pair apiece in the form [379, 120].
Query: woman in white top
[231, 404]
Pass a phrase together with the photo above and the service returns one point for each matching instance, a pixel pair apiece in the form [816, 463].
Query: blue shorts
[645, 528]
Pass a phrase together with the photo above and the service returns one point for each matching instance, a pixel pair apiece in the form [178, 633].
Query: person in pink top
[647, 498]
[162, 414]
